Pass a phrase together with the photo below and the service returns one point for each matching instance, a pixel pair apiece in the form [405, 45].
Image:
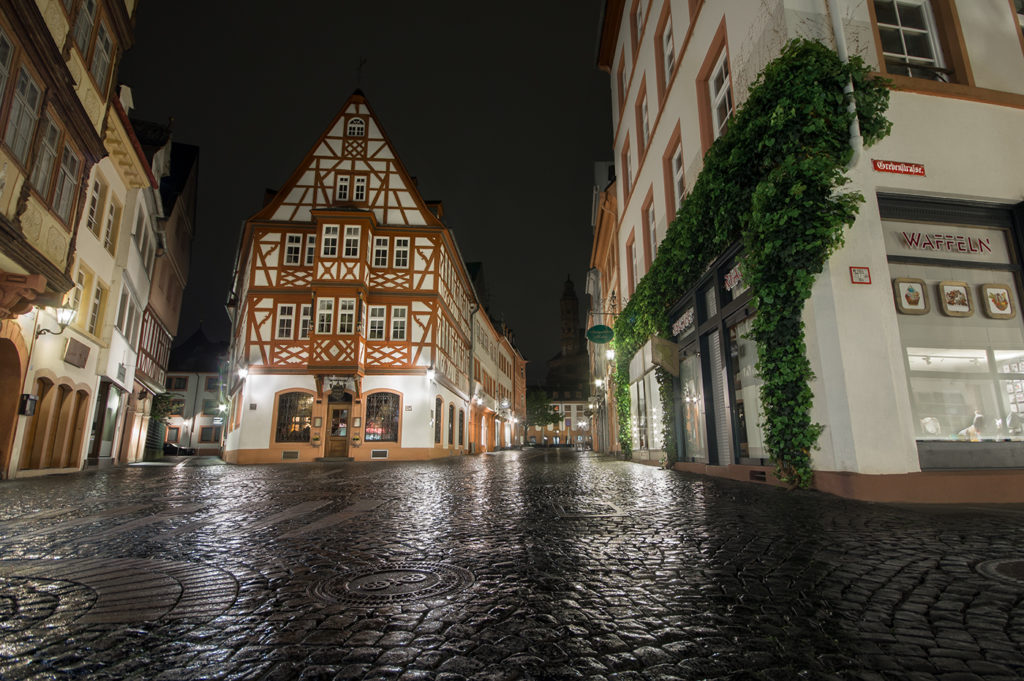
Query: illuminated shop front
[718, 392]
[955, 272]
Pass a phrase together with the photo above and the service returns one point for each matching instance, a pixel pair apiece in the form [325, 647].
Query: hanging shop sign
[898, 167]
[600, 334]
[957, 242]
[684, 324]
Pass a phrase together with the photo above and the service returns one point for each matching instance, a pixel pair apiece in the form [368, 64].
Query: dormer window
[356, 127]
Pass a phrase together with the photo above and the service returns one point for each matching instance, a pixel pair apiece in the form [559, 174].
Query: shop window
[747, 411]
[382, 410]
[695, 445]
[294, 417]
[437, 420]
[451, 424]
[957, 304]
[209, 434]
[920, 39]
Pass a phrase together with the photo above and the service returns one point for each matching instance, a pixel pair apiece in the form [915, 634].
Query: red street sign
[898, 167]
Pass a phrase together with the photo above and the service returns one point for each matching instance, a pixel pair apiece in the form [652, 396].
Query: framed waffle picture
[997, 301]
[955, 298]
[911, 296]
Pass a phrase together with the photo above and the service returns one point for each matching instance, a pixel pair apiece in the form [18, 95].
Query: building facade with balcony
[356, 329]
[913, 329]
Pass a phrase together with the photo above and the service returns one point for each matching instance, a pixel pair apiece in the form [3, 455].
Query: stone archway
[13, 361]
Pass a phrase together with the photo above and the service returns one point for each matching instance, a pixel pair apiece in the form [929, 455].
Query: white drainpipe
[856, 141]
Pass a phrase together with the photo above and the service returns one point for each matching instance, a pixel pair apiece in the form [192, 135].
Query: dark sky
[497, 108]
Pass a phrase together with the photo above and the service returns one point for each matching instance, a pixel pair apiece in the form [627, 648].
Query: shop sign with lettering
[950, 242]
[684, 324]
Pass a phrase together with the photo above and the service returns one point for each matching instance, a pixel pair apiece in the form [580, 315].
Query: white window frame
[904, 62]
[305, 320]
[403, 246]
[324, 315]
[292, 249]
[359, 188]
[329, 241]
[113, 213]
[94, 308]
[399, 322]
[129, 314]
[24, 114]
[718, 95]
[46, 157]
[346, 316]
[67, 183]
[343, 187]
[356, 127]
[351, 243]
[285, 321]
[310, 249]
[380, 251]
[678, 175]
[668, 50]
[645, 122]
[652, 229]
[377, 319]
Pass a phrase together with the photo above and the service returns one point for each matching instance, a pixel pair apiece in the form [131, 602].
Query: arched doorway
[12, 378]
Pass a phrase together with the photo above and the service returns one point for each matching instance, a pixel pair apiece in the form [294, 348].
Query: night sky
[497, 108]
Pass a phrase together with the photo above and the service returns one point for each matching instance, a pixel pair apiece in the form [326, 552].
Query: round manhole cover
[1004, 569]
[395, 583]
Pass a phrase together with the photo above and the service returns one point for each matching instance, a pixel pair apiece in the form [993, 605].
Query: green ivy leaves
[774, 181]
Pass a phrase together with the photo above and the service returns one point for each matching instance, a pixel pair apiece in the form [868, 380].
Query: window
[720, 91]
[67, 181]
[643, 125]
[632, 269]
[343, 183]
[42, 173]
[294, 417]
[382, 411]
[398, 323]
[212, 384]
[380, 251]
[677, 182]
[627, 171]
[144, 240]
[652, 230]
[177, 383]
[451, 424]
[909, 39]
[462, 426]
[129, 315]
[376, 328]
[94, 216]
[637, 24]
[437, 420]
[401, 252]
[111, 227]
[209, 434]
[346, 315]
[83, 25]
[324, 315]
[305, 320]
[173, 433]
[359, 189]
[351, 242]
[23, 116]
[177, 407]
[668, 53]
[356, 127]
[329, 242]
[76, 294]
[310, 249]
[285, 320]
[293, 249]
[6, 55]
[98, 298]
[620, 79]
[211, 407]
[101, 56]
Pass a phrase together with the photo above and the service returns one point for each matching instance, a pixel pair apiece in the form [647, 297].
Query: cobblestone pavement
[519, 565]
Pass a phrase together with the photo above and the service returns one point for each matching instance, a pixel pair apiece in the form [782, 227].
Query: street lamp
[64, 316]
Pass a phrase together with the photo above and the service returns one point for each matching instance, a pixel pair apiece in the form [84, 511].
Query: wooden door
[337, 439]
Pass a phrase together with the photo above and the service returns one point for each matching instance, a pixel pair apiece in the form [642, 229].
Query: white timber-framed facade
[355, 325]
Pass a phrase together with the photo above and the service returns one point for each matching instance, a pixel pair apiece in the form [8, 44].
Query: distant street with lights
[535, 564]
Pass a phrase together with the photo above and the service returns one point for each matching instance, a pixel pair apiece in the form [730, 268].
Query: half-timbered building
[356, 329]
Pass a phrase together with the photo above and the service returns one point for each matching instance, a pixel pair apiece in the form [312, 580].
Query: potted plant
[315, 440]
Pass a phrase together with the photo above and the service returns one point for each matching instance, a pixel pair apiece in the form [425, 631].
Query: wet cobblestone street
[519, 565]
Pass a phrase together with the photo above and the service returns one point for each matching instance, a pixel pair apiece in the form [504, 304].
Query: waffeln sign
[898, 167]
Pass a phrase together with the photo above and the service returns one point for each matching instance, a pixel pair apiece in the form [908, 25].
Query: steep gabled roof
[391, 194]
